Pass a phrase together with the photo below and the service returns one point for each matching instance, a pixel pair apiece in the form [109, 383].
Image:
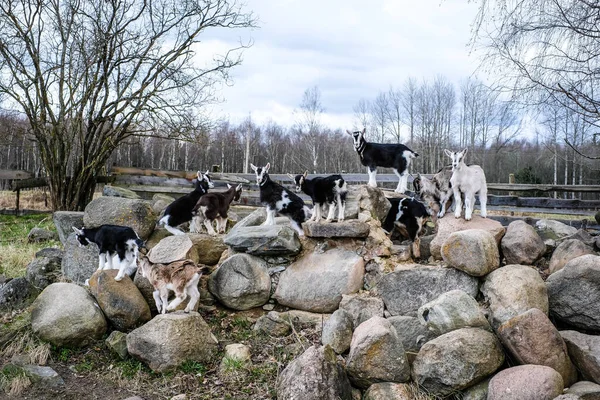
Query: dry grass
[13, 381]
[36, 351]
[35, 199]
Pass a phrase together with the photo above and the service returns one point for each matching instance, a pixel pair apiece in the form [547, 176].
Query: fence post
[17, 205]
[511, 181]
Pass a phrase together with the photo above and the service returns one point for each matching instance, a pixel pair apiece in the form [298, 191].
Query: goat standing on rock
[278, 199]
[330, 190]
[387, 155]
[408, 216]
[467, 179]
[180, 210]
[436, 192]
[181, 277]
[213, 206]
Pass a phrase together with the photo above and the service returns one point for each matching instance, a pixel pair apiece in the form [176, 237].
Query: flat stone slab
[348, 229]
[268, 240]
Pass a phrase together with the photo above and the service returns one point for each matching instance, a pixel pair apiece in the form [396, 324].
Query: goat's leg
[469, 202]
[331, 212]
[483, 202]
[195, 224]
[443, 200]
[270, 217]
[341, 203]
[417, 247]
[192, 288]
[457, 203]
[402, 181]
[122, 268]
[296, 226]
[372, 176]
[101, 261]
[209, 227]
[157, 300]
[173, 230]
[179, 298]
[164, 297]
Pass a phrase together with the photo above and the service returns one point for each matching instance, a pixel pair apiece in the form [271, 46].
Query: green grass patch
[193, 367]
[130, 368]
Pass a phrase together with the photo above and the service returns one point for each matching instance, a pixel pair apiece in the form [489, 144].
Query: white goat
[180, 276]
[468, 179]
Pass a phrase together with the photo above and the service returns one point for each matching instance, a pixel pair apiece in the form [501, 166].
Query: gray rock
[574, 293]
[550, 229]
[189, 338]
[65, 314]
[450, 311]
[473, 251]
[305, 317]
[255, 218]
[566, 251]
[447, 226]
[44, 376]
[477, 392]
[43, 271]
[525, 382]
[521, 244]
[585, 353]
[404, 291]
[79, 262]
[122, 303]
[315, 375]
[457, 360]
[584, 390]
[317, 281]
[200, 248]
[136, 214]
[361, 307]
[389, 391]
[117, 343]
[376, 354]
[532, 339]
[269, 240]
[512, 290]
[147, 290]
[372, 200]
[337, 331]
[413, 333]
[40, 235]
[116, 191]
[52, 253]
[346, 229]
[583, 236]
[597, 217]
[16, 293]
[65, 221]
[241, 282]
[273, 325]
[237, 351]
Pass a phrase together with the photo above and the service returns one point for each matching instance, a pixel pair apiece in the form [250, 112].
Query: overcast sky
[350, 49]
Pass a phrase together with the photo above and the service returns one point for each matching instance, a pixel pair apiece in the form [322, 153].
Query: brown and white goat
[436, 192]
[213, 206]
[181, 277]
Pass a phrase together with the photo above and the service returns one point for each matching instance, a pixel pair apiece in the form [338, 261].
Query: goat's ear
[239, 188]
[292, 177]
[364, 130]
[267, 167]
[464, 152]
[77, 231]
[254, 167]
[228, 186]
[199, 175]
[305, 173]
[207, 171]
[348, 132]
[448, 152]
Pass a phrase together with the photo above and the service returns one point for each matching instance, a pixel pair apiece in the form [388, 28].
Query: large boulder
[389, 391]
[585, 353]
[584, 390]
[450, 311]
[376, 354]
[79, 262]
[566, 251]
[448, 225]
[40, 235]
[369, 199]
[314, 375]
[525, 382]
[122, 303]
[65, 221]
[457, 360]
[317, 281]
[65, 314]
[241, 282]
[473, 251]
[16, 293]
[272, 324]
[551, 229]
[43, 271]
[512, 290]
[521, 244]
[404, 291]
[574, 293]
[413, 333]
[169, 340]
[136, 214]
[200, 248]
[349, 229]
[268, 240]
[361, 307]
[337, 331]
[532, 339]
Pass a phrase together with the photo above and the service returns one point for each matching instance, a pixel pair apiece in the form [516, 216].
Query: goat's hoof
[457, 216]
[118, 278]
[328, 220]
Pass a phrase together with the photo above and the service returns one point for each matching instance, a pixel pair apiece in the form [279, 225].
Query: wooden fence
[147, 182]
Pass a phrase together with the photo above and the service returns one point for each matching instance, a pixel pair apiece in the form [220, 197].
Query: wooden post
[216, 168]
[17, 205]
[511, 181]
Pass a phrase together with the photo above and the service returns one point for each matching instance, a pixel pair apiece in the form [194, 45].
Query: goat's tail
[413, 154]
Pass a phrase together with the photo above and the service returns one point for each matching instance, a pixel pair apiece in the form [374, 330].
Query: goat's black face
[238, 193]
[417, 184]
[358, 137]
[204, 181]
[299, 180]
[261, 173]
[80, 235]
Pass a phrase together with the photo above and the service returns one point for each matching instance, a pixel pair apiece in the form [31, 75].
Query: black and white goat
[408, 216]
[329, 190]
[214, 206]
[387, 155]
[467, 179]
[435, 192]
[278, 199]
[120, 242]
[180, 210]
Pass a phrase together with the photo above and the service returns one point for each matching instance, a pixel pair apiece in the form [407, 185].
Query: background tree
[309, 123]
[91, 75]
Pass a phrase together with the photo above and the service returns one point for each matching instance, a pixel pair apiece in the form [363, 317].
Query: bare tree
[409, 102]
[395, 113]
[362, 113]
[379, 116]
[309, 122]
[89, 75]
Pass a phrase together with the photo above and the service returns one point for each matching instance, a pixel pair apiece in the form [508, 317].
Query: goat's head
[204, 181]
[237, 191]
[81, 238]
[299, 180]
[261, 173]
[358, 137]
[145, 266]
[417, 184]
[456, 156]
